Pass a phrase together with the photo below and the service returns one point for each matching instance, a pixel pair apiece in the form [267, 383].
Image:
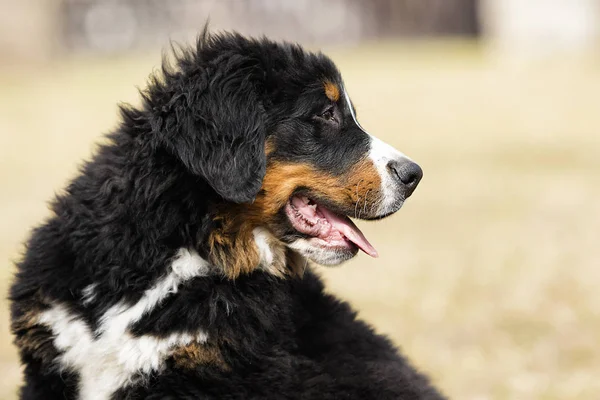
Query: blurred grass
[487, 278]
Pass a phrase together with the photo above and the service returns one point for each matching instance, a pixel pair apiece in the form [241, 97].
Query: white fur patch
[111, 357]
[271, 252]
[185, 266]
[349, 103]
[88, 295]
[262, 237]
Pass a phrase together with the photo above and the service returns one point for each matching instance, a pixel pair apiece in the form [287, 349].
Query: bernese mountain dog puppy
[176, 264]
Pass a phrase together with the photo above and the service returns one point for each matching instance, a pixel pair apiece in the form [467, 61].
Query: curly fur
[105, 279]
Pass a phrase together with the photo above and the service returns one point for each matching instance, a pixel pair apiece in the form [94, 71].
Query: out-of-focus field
[489, 276]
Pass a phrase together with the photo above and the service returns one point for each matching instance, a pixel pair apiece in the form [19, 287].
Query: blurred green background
[488, 277]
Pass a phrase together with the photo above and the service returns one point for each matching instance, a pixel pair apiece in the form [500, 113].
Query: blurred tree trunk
[422, 17]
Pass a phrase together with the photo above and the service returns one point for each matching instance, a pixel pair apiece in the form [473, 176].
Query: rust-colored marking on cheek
[358, 189]
[364, 184]
[332, 91]
[283, 178]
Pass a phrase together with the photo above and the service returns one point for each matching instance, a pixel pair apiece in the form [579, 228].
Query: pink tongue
[351, 231]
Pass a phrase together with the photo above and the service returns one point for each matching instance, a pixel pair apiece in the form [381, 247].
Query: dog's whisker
[365, 201]
[363, 209]
[357, 198]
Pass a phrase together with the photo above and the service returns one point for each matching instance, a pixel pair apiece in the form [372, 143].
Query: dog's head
[271, 128]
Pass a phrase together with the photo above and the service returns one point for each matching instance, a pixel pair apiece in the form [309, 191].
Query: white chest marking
[261, 238]
[111, 357]
[271, 252]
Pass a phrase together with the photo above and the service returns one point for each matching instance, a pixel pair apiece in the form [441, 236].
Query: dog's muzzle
[399, 176]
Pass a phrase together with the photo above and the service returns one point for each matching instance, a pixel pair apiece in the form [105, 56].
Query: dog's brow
[332, 91]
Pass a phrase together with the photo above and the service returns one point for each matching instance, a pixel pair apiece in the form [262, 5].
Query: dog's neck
[240, 243]
[252, 248]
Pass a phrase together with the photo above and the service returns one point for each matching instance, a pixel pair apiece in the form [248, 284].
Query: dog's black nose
[407, 173]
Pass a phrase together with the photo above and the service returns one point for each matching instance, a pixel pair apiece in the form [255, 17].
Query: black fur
[199, 141]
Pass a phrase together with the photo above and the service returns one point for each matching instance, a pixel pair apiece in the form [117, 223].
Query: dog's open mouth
[332, 230]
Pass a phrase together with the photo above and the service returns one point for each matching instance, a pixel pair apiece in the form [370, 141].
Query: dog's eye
[328, 115]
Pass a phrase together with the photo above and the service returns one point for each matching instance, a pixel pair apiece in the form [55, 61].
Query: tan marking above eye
[332, 91]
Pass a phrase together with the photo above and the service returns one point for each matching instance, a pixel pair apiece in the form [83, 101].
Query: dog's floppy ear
[219, 125]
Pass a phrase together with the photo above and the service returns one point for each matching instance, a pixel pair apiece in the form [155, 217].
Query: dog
[176, 264]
